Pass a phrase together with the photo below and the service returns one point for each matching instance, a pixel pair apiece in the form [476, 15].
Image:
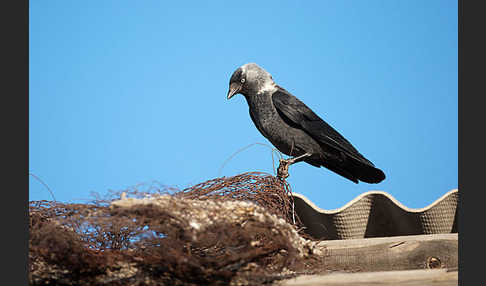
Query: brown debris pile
[236, 230]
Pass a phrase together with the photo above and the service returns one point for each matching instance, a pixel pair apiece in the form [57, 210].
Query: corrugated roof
[378, 214]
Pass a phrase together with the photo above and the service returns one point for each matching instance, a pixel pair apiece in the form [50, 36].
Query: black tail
[369, 174]
[354, 170]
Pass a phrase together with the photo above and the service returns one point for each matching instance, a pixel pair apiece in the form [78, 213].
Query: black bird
[295, 130]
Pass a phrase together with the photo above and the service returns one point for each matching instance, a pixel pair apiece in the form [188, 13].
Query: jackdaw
[295, 130]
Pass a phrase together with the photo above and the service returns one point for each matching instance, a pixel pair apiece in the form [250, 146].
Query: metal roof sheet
[378, 214]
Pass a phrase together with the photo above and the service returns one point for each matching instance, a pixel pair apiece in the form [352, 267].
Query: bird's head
[250, 79]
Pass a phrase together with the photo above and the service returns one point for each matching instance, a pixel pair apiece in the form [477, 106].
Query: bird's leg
[283, 167]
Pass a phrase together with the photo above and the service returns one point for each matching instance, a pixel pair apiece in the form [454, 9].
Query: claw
[283, 169]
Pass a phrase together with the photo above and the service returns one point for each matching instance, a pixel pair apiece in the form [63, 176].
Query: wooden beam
[391, 253]
[436, 277]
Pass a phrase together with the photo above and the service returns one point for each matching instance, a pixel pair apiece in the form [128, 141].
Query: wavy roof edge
[377, 214]
[370, 193]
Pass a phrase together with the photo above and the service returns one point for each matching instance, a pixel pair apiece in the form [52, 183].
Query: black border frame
[15, 140]
[15, 118]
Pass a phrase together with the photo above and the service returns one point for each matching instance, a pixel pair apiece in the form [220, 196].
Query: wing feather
[298, 115]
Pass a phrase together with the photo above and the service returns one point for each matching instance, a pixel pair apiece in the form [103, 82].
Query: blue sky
[130, 92]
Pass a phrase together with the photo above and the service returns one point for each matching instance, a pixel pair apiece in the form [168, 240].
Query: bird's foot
[283, 169]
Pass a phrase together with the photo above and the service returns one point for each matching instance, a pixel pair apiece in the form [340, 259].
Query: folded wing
[295, 113]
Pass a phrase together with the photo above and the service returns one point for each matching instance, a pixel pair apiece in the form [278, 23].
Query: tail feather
[370, 174]
[353, 170]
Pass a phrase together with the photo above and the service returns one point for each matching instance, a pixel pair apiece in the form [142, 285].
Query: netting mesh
[240, 229]
[260, 188]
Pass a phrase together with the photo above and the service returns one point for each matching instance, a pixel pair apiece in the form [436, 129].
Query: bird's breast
[271, 125]
[263, 114]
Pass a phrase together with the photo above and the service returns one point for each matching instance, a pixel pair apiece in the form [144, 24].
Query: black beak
[234, 88]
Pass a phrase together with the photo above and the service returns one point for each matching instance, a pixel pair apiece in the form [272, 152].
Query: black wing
[297, 114]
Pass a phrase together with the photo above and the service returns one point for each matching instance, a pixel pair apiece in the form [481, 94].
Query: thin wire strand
[42, 182]
[246, 147]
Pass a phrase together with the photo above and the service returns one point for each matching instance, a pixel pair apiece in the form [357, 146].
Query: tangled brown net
[236, 230]
[265, 190]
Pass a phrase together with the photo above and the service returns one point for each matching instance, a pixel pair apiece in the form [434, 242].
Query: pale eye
[242, 80]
